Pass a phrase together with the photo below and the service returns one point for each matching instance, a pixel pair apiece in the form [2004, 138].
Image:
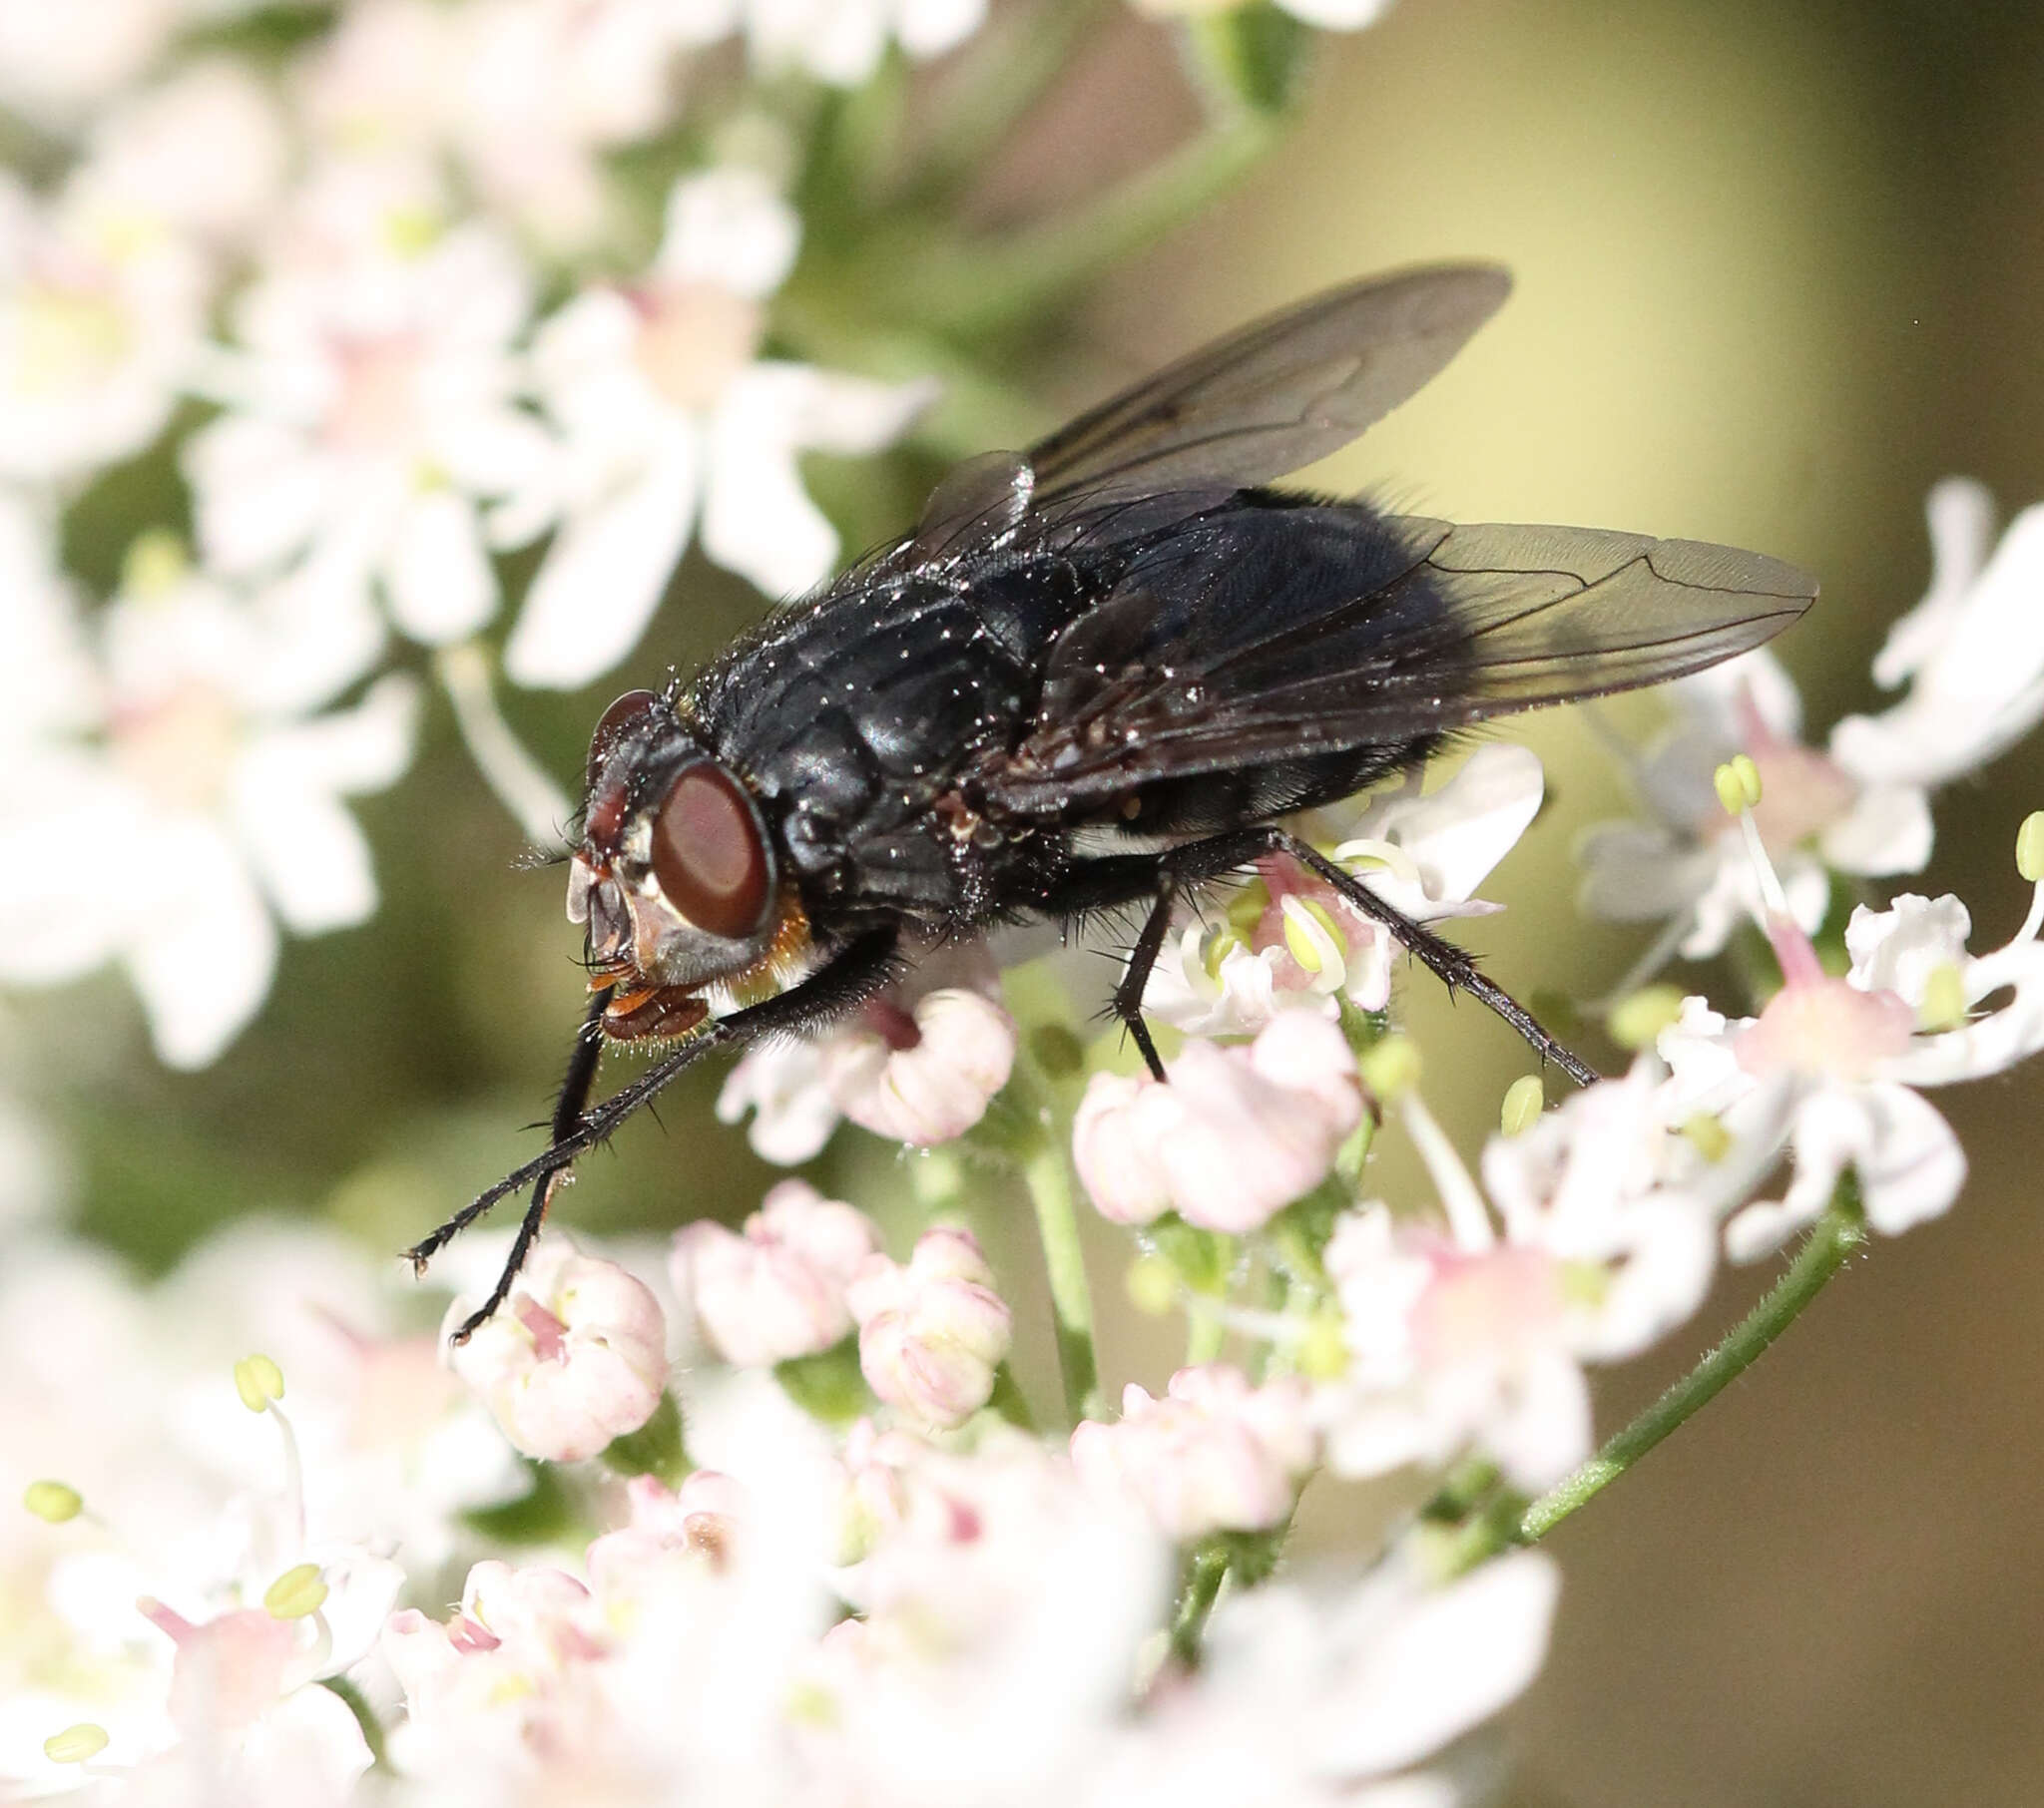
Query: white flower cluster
[378, 419]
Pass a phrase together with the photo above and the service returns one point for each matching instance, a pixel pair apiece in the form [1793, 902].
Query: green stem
[1049, 1179]
[1007, 71]
[1206, 1571]
[972, 288]
[1832, 1242]
[357, 1704]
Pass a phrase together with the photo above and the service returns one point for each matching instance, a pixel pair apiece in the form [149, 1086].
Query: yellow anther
[78, 1744]
[1323, 1351]
[299, 1590]
[1302, 917]
[55, 1502]
[1219, 945]
[1390, 1067]
[1738, 783]
[2030, 847]
[156, 563]
[1525, 1099]
[259, 1381]
[1944, 999]
[1640, 1016]
[1152, 1285]
[1707, 1135]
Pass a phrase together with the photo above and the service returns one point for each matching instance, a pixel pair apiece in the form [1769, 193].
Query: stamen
[521, 784]
[259, 1382]
[1945, 1000]
[54, 1502]
[78, 1744]
[1152, 1285]
[1635, 1022]
[1738, 783]
[1469, 1216]
[1525, 1099]
[2030, 863]
[1314, 940]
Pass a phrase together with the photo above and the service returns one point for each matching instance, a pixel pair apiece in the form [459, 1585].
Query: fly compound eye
[707, 855]
[615, 724]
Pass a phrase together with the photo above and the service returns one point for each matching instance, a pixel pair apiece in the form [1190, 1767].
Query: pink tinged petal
[576, 1358]
[1960, 513]
[934, 1090]
[227, 1672]
[605, 574]
[439, 580]
[779, 1290]
[729, 227]
[1435, 1666]
[1112, 1152]
[931, 1332]
[1887, 830]
[204, 952]
[781, 1085]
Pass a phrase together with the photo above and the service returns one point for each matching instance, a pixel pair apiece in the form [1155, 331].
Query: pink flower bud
[777, 1290]
[923, 1077]
[1232, 1137]
[933, 1333]
[576, 1357]
[1213, 1455]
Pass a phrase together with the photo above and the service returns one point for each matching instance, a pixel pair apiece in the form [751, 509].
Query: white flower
[371, 415]
[575, 1357]
[1214, 1453]
[56, 62]
[1293, 939]
[1331, 1697]
[1974, 654]
[201, 802]
[1972, 651]
[668, 416]
[101, 316]
[1838, 1059]
[1478, 1339]
[777, 1290]
[1233, 1136]
[842, 41]
[204, 151]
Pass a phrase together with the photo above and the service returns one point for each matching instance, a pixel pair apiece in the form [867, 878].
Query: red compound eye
[707, 855]
[622, 716]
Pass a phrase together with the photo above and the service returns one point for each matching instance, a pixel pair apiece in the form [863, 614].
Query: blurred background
[1780, 268]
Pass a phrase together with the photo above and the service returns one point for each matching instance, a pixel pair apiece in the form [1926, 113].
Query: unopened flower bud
[777, 1290]
[931, 1333]
[53, 1501]
[1213, 1454]
[930, 1079]
[1233, 1136]
[576, 1357]
[259, 1381]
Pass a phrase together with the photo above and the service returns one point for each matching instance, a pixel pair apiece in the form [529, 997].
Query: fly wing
[1273, 396]
[1269, 632]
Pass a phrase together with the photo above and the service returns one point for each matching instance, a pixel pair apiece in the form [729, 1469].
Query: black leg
[848, 980]
[1166, 877]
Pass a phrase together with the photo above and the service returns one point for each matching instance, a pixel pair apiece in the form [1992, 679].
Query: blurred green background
[1780, 267]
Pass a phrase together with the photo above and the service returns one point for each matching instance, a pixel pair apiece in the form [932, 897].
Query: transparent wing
[1279, 632]
[1273, 396]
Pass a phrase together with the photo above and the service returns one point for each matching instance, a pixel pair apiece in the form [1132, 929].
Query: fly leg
[853, 975]
[1454, 967]
[1165, 878]
[1176, 872]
